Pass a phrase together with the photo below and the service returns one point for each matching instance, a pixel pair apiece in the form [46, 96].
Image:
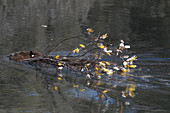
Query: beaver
[21, 56]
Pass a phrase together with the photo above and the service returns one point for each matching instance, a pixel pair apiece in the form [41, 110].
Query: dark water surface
[144, 24]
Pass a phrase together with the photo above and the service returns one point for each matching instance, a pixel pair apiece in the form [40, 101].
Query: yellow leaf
[82, 89]
[56, 88]
[58, 56]
[126, 94]
[108, 63]
[110, 72]
[101, 46]
[75, 85]
[124, 70]
[59, 78]
[108, 53]
[76, 50]
[105, 36]
[102, 63]
[98, 73]
[105, 91]
[86, 68]
[132, 66]
[132, 58]
[99, 83]
[97, 68]
[106, 70]
[81, 45]
[90, 30]
[132, 87]
[60, 64]
[101, 95]
[131, 93]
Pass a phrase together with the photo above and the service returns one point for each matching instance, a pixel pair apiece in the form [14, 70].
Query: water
[145, 25]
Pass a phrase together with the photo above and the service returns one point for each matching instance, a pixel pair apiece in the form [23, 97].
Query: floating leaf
[131, 93]
[105, 91]
[132, 87]
[98, 73]
[101, 95]
[98, 77]
[76, 85]
[88, 75]
[108, 53]
[132, 66]
[108, 63]
[82, 90]
[124, 70]
[102, 64]
[100, 45]
[99, 83]
[97, 68]
[89, 30]
[105, 69]
[60, 64]
[105, 36]
[56, 88]
[110, 72]
[59, 78]
[88, 82]
[132, 58]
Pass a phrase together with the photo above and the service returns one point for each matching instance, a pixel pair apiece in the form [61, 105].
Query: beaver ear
[31, 54]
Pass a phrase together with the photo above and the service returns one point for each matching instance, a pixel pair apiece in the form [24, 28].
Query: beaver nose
[31, 54]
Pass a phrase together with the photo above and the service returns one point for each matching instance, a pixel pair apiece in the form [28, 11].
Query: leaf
[59, 78]
[124, 70]
[99, 83]
[132, 66]
[76, 85]
[105, 69]
[60, 64]
[56, 88]
[108, 53]
[90, 30]
[102, 64]
[131, 93]
[82, 90]
[98, 73]
[101, 95]
[76, 50]
[127, 46]
[132, 58]
[132, 87]
[58, 56]
[108, 63]
[96, 68]
[105, 36]
[110, 72]
[105, 91]
[81, 45]
[101, 46]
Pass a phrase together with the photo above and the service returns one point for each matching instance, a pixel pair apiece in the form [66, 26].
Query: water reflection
[143, 24]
